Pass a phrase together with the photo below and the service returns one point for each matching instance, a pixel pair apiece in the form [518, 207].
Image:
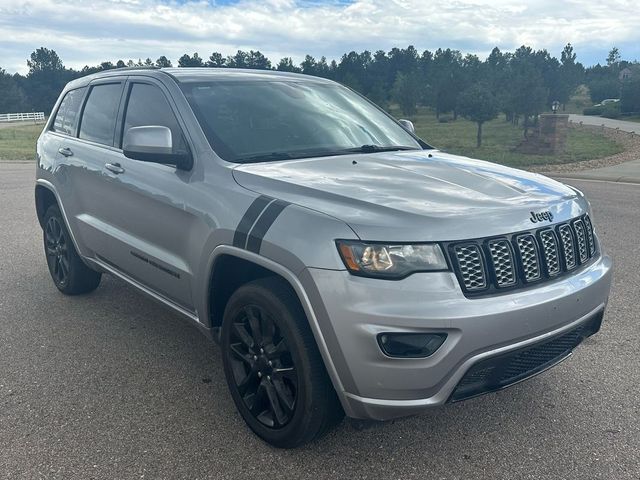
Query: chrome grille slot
[502, 260]
[471, 267]
[590, 237]
[549, 244]
[581, 238]
[568, 246]
[529, 257]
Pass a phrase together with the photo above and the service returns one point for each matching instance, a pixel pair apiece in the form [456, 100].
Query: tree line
[520, 84]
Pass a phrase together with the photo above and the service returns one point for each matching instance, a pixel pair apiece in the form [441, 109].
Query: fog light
[410, 345]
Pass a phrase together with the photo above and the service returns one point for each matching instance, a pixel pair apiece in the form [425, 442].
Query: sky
[91, 31]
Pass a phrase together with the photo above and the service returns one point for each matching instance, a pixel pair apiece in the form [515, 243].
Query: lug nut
[259, 374]
[269, 377]
[262, 350]
[270, 363]
[255, 357]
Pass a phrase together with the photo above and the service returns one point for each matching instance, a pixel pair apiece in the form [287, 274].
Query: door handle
[66, 151]
[114, 167]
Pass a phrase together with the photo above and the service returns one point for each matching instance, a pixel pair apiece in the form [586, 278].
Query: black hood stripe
[263, 224]
[248, 219]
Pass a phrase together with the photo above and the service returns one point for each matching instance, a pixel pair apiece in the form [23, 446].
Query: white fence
[21, 117]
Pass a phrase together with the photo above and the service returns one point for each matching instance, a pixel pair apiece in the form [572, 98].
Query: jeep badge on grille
[541, 217]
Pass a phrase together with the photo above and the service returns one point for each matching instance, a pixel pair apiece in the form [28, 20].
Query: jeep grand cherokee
[344, 265]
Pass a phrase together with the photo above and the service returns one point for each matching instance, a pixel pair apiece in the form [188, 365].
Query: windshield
[253, 121]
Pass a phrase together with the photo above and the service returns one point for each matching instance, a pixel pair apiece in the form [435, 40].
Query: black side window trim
[122, 114]
[91, 86]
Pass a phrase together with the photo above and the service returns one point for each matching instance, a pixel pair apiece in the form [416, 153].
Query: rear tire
[68, 272]
[273, 367]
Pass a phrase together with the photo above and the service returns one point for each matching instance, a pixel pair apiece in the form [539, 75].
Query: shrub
[611, 110]
[593, 111]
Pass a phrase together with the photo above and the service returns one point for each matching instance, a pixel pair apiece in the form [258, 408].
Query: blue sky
[92, 31]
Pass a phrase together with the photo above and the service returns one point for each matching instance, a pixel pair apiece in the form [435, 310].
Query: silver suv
[344, 265]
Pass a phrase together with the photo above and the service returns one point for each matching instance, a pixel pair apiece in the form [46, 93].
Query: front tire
[68, 272]
[273, 367]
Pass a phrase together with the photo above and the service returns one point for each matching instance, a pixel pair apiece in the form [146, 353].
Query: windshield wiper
[378, 148]
[275, 156]
[267, 157]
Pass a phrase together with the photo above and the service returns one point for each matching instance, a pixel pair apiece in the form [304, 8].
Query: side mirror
[154, 144]
[407, 125]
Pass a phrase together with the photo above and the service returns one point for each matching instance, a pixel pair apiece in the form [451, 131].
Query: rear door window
[148, 106]
[66, 119]
[99, 116]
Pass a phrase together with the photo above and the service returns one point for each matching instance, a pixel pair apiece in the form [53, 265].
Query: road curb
[595, 178]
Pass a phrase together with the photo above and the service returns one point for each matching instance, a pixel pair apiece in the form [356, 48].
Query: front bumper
[353, 310]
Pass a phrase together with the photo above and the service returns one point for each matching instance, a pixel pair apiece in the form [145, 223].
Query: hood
[415, 195]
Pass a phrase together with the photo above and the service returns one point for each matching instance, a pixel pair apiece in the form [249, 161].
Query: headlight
[391, 260]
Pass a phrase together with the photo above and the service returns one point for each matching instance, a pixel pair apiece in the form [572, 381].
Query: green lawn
[499, 139]
[18, 142]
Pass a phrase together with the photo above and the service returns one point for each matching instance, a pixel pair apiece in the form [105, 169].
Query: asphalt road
[624, 125]
[112, 385]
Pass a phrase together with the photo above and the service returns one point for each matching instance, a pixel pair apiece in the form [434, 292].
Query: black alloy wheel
[68, 271]
[273, 368]
[263, 368]
[57, 251]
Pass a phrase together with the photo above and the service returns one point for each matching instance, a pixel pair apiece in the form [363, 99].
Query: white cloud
[92, 31]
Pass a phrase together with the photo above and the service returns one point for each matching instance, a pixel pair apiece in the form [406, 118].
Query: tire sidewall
[54, 212]
[285, 320]
[81, 278]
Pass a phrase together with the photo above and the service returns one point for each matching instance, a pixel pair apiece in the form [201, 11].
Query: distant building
[627, 73]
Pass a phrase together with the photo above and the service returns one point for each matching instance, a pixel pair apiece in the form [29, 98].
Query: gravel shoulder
[629, 141]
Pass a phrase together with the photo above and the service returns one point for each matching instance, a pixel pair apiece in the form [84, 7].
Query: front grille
[500, 371]
[485, 266]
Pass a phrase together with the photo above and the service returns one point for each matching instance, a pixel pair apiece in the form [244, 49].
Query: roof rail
[140, 67]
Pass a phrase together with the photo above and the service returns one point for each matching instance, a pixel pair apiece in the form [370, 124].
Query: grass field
[499, 139]
[18, 142]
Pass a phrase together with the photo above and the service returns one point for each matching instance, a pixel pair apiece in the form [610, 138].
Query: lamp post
[555, 106]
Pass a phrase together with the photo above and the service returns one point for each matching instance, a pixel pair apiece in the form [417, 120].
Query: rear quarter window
[66, 119]
[99, 116]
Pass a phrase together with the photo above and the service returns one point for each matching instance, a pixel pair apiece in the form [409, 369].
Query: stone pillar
[552, 131]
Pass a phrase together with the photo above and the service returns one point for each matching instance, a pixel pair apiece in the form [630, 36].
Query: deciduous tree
[479, 105]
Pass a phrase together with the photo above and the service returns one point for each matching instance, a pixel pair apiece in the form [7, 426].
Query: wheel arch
[226, 256]
[44, 197]
[228, 273]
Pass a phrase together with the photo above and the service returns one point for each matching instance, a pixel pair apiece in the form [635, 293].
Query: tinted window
[67, 116]
[147, 106]
[99, 117]
[261, 120]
